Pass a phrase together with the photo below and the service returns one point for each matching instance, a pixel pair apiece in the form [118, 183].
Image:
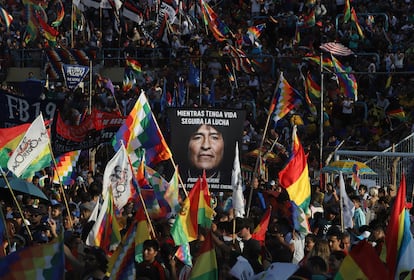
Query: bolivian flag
[9, 139]
[294, 177]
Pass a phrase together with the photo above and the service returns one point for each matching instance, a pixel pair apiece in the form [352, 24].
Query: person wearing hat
[42, 230]
[35, 217]
[86, 210]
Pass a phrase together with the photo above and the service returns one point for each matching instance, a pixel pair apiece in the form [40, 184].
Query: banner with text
[74, 74]
[15, 109]
[95, 129]
[205, 139]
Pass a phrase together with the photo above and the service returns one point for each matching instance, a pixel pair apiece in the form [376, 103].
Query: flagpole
[187, 94]
[141, 198]
[200, 86]
[60, 181]
[17, 203]
[71, 26]
[179, 177]
[341, 205]
[321, 125]
[90, 86]
[100, 20]
[6, 232]
[171, 159]
[116, 103]
[258, 159]
[235, 77]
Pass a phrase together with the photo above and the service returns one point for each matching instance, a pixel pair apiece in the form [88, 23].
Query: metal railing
[115, 57]
[382, 162]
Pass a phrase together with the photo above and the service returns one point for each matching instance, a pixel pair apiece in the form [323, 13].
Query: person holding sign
[205, 150]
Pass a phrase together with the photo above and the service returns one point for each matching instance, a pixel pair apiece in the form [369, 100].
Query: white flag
[347, 205]
[236, 182]
[118, 175]
[33, 144]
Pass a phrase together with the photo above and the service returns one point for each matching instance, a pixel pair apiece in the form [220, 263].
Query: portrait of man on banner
[203, 139]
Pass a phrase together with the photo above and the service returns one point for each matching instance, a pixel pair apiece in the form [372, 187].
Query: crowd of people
[318, 252]
[386, 50]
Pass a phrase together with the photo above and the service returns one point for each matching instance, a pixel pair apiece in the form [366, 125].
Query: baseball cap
[87, 205]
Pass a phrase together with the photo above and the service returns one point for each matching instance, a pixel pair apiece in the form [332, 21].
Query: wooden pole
[179, 177]
[72, 45]
[256, 166]
[141, 198]
[321, 126]
[17, 203]
[200, 86]
[60, 182]
[90, 86]
[6, 231]
[172, 160]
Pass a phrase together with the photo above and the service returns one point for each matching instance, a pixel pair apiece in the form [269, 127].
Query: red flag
[259, 232]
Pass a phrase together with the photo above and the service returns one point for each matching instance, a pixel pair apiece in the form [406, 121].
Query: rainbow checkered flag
[122, 262]
[184, 255]
[141, 132]
[64, 168]
[105, 233]
[285, 100]
[45, 261]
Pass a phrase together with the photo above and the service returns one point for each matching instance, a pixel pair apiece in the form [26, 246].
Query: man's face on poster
[206, 148]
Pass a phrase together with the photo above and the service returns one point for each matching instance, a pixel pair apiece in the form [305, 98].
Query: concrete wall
[14, 74]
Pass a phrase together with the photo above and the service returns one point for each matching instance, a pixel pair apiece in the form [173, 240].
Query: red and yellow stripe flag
[205, 212]
[397, 114]
[5, 18]
[347, 11]
[259, 232]
[205, 267]
[294, 177]
[362, 262]
[134, 65]
[9, 139]
[354, 18]
[398, 239]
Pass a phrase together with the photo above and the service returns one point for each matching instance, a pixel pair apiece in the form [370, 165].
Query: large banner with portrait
[205, 139]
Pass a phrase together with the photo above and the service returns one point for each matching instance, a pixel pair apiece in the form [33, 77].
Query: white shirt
[347, 107]
[299, 244]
